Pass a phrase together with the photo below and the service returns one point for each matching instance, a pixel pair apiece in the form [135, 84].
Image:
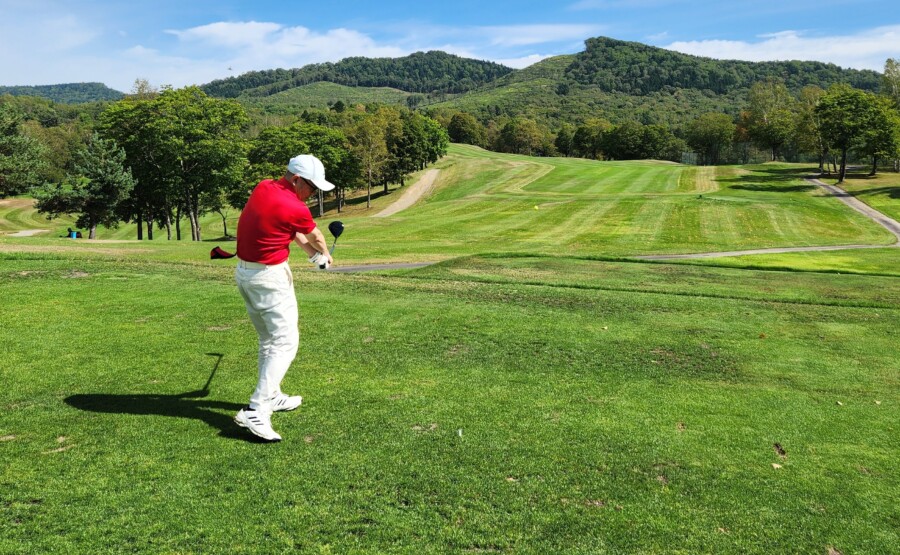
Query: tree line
[421, 72]
[157, 157]
[639, 69]
[828, 125]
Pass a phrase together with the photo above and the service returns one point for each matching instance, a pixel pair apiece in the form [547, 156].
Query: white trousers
[268, 293]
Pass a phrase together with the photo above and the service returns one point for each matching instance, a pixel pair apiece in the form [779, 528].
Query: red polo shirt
[269, 221]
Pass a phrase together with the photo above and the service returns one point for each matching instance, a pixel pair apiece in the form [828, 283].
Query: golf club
[218, 253]
[336, 228]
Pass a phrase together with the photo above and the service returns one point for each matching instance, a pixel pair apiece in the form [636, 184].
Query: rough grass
[881, 191]
[528, 405]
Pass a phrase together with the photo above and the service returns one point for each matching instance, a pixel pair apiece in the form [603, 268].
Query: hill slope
[67, 93]
[631, 81]
[422, 72]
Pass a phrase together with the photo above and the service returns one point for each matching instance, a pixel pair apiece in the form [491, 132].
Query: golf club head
[217, 253]
[336, 228]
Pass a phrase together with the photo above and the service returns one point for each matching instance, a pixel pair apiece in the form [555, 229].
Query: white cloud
[246, 46]
[523, 61]
[74, 48]
[227, 34]
[523, 35]
[866, 49]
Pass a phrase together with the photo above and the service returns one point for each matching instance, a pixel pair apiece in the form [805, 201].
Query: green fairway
[489, 202]
[534, 392]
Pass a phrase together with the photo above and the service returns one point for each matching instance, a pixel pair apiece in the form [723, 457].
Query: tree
[464, 128]
[891, 81]
[808, 129]
[100, 184]
[274, 146]
[625, 142]
[710, 135]
[587, 141]
[437, 140]
[845, 113]
[21, 161]
[881, 137]
[521, 136]
[143, 90]
[59, 143]
[891, 88]
[771, 115]
[182, 146]
[564, 138]
[367, 137]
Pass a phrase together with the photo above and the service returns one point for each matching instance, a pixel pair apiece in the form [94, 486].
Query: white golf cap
[309, 167]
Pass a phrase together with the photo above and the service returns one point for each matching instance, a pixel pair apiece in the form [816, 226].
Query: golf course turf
[535, 391]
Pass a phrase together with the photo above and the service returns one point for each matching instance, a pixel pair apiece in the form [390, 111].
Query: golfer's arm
[304, 244]
[315, 242]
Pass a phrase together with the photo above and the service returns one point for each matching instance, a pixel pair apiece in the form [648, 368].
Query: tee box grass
[550, 397]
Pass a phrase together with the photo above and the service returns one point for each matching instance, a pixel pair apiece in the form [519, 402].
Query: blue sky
[185, 42]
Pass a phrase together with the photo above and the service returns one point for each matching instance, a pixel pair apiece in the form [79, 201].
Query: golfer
[276, 215]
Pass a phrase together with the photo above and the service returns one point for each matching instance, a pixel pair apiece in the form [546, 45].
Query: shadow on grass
[191, 404]
[771, 188]
[891, 192]
[770, 180]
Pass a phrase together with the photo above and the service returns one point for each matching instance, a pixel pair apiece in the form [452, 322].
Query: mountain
[613, 79]
[422, 72]
[621, 81]
[68, 93]
[635, 68]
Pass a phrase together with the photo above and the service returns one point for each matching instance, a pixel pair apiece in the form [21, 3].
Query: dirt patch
[59, 449]
[779, 450]
[16, 203]
[76, 275]
[28, 232]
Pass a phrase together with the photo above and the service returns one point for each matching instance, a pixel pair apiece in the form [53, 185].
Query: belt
[255, 265]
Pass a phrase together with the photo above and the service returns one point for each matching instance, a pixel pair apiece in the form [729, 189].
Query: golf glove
[320, 260]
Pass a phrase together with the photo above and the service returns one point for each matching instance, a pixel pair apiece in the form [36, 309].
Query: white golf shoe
[285, 402]
[258, 422]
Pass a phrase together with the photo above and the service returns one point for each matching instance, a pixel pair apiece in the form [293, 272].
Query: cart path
[420, 188]
[888, 223]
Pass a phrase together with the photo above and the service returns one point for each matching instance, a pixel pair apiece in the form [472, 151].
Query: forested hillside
[422, 72]
[635, 68]
[68, 93]
[628, 81]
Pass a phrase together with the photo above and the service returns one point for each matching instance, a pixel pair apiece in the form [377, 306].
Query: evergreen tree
[100, 183]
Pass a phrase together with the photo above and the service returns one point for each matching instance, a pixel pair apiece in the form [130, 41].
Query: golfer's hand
[322, 260]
